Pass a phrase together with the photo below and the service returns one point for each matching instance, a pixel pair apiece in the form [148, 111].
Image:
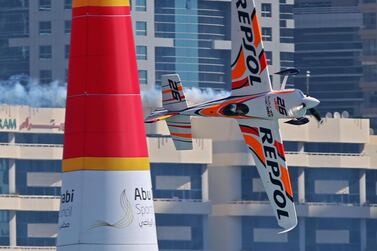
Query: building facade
[336, 41]
[190, 37]
[193, 38]
[369, 59]
[209, 198]
[328, 44]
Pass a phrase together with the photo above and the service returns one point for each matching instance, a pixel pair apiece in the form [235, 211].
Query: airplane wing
[249, 63]
[263, 139]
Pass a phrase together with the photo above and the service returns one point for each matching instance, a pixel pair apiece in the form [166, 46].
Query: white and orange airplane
[253, 103]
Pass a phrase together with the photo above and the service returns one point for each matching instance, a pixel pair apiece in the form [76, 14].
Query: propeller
[308, 104]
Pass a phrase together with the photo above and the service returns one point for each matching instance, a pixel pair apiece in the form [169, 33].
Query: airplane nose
[311, 102]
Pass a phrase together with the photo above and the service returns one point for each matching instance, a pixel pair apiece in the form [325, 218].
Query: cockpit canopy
[237, 109]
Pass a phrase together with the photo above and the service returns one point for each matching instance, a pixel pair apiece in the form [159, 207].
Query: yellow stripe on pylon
[100, 3]
[106, 164]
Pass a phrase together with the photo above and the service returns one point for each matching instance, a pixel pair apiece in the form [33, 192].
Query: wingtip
[288, 229]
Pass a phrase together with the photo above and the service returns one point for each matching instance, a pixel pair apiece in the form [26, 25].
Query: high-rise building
[328, 44]
[14, 23]
[208, 198]
[35, 38]
[190, 37]
[336, 41]
[369, 59]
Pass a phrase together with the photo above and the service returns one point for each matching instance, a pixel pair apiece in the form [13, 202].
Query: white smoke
[194, 96]
[23, 90]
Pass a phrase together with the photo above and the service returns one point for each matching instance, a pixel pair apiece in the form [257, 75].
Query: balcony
[320, 210]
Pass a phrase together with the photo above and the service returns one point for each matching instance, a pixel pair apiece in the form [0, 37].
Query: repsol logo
[245, 19]
[141, 194]
[67, 197]
[273, 168]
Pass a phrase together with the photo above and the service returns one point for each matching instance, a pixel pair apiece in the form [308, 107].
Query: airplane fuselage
[270, 105]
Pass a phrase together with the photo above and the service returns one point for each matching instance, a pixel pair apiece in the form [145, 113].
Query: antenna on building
[307, 82]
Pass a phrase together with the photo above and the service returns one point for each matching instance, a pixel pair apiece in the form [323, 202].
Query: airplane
[253, 103]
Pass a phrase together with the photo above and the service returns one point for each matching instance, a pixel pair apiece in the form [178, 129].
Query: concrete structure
[191, 38]
[209, 198]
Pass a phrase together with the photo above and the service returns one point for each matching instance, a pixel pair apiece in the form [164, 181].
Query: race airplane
[253, 103]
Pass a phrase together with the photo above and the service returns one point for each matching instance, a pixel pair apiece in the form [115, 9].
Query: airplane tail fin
[173, 97]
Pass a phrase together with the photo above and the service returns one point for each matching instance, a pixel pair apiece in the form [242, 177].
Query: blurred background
[210, 198]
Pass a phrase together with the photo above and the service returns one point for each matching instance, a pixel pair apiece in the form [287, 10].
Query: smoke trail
[23, 90]
[194, 96]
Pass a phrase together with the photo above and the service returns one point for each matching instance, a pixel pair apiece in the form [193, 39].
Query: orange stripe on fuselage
[257, 32]
[283, 91]
[112, 3]
[183, 135]
[286, 180]
[256, 146]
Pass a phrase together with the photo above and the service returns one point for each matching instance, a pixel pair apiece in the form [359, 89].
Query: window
[370, 21]
[44, 5]
[45, 76]
[4, 228]
[44, 28]
[66, 51]
[141, 5]
[267, 33]
[141, 28]
[141, 52]
[269, 57]
[143, 77]
[67, 4]
[45, 52]
[370, 72]
[369, 47]
[266, 10]
[67, 26]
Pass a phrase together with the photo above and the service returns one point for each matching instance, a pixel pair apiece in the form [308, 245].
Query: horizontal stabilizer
[180, 131]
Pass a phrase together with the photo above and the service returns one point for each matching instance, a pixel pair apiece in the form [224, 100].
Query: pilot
[236, 109]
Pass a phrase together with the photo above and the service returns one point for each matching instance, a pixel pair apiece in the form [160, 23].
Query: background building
[210, 198]
[336, 41]
[189, 37]
[35, 38]
[369, 59]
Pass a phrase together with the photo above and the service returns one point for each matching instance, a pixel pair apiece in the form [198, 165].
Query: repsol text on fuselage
[246, 23]
[273, 169]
